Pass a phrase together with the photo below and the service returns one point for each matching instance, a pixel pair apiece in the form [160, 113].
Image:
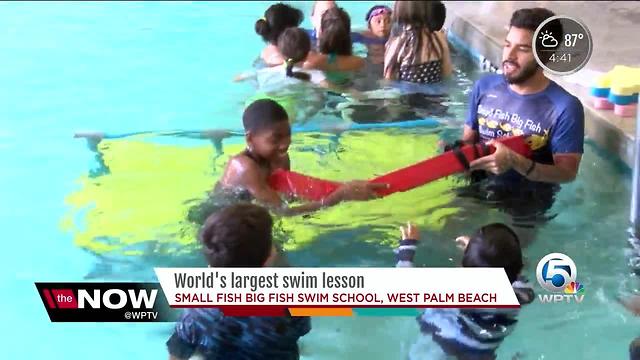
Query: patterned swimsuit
[425, 73]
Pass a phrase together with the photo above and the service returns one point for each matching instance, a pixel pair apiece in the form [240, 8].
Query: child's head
[294, 46]
[634, 349]
[267, 130]
[420, 14]
[276, 19]
[379, 20]
[237, 236]
[318, 9]
[495, 245]
[335, 32]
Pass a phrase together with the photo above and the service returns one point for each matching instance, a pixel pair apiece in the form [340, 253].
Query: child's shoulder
[243, 160]
[237, 169]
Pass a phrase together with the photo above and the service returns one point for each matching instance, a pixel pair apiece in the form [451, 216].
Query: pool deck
[614, 27]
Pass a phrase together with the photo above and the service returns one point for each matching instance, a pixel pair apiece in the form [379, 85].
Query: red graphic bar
[65, 298]
[279, 310]
[50, 302]
[253, 310]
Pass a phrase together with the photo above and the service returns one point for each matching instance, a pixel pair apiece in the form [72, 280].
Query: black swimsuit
[426, 73]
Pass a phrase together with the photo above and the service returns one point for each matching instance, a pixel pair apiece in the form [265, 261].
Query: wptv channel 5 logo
[557, 273]
[104, 302]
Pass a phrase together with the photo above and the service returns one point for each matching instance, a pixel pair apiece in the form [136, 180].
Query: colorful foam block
[623, 99]
[600, 92]
[621, 80]
[626, 110]
[601, 103]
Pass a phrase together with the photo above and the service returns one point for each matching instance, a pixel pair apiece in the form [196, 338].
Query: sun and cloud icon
[548, 40]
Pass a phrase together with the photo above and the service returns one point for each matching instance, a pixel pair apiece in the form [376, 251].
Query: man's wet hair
[237, 236]
[530, 19]
[495, 245]
[263, 114]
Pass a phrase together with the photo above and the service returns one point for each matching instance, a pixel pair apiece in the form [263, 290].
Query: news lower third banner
[335, 291]
[279, 292]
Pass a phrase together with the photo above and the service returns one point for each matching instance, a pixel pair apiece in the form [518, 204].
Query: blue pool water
[121, 67]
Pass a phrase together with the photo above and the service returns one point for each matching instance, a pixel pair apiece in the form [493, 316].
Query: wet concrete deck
[614, 27]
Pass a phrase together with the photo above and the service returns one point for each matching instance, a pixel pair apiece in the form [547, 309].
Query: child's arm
[251, 74]
[343, 63]
[248, 175]
[447, 67]
[367, 38]
[347, 63]
[389, 59]
[407, 248]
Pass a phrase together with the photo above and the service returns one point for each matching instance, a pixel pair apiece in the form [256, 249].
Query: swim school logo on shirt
[494, 122]
[557, 273]
[104, 302]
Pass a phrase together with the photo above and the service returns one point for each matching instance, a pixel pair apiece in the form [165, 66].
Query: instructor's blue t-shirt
[552, 120]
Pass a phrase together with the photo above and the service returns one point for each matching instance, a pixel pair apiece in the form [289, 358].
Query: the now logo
[98, 298]
[103, 301]
[117, 299]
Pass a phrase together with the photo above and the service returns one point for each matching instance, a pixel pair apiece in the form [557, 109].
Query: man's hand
[501, 161]
[360, 190]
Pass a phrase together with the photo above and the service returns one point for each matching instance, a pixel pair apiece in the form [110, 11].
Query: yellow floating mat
[141, 205]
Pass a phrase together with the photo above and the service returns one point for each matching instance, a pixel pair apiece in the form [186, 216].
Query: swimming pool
[122, 67]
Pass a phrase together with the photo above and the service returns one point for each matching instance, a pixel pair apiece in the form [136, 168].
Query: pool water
[124, 67]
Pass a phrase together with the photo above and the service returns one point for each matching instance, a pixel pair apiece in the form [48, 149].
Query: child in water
[472, 333]
[294, 46]
[288, 84]
[237, 236]
[277, 18]
[318, 9]
[268, 136]
[335, 55]
[379, 23]
[419, 53]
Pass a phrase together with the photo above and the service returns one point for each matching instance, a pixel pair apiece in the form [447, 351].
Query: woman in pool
[276, 19]
[268, 136]
[419, 53]
[336, 57]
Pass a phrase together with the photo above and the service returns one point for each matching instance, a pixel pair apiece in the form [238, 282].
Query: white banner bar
[348, 287]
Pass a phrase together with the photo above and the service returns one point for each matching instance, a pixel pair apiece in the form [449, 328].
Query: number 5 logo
[555, 271]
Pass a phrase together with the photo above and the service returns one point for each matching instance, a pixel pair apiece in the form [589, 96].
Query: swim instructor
[523, 101]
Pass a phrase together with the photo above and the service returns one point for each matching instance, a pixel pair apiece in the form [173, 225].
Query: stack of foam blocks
[618, 90]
